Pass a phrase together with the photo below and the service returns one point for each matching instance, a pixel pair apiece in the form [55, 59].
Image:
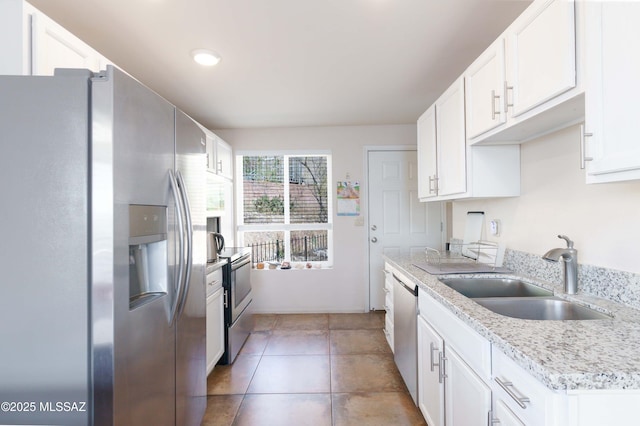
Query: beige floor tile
[292, 374]
[375, 409]
[364, 373]
[232, 379]
[221, 410]
[371, 320]
[263, 322]
[358, 342]
[285, 410]
[298, 342]
[256, 343]
[303, 321]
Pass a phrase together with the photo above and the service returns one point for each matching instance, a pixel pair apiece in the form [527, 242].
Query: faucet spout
[569, 257]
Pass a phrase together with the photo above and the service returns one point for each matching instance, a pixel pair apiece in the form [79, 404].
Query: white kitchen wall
[603, 219]
[342, 288]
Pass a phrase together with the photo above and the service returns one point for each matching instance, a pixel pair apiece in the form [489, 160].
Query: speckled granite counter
[564, 355]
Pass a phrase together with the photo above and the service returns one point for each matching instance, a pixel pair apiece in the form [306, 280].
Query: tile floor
[312, 369]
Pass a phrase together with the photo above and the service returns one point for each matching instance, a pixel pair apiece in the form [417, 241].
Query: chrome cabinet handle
[506, 97]
[441, 369]
[494, 97]
[520, 400]
[226, 299]
[219, 168]
[491, 420]
[433, 184]
[373, 227]
[374, 240]
[433, 364]
[583, 157]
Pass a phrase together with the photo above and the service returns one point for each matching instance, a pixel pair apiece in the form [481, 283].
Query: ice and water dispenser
[147, 254]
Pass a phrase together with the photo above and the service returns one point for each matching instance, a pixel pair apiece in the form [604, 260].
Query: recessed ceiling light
[205, 57]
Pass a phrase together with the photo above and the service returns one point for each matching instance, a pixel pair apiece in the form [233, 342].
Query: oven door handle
[240, 263]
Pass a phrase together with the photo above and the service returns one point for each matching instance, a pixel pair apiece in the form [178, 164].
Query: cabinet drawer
[473, 348]
[530, 400]
[388, 329]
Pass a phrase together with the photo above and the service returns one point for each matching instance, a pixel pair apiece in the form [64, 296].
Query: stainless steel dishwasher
[405, 333]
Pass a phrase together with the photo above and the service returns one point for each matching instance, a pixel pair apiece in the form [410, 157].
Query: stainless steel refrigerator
[102, 253]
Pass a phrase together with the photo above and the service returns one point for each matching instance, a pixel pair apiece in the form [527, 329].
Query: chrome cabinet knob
[374, 240]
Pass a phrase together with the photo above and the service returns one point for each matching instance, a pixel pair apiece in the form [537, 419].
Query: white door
[397, 220]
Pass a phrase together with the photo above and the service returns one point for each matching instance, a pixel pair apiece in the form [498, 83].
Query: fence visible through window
[306, 248]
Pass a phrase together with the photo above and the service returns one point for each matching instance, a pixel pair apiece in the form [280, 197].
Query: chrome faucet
[569, 257]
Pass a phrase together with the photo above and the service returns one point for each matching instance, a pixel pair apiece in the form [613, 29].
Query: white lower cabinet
[430, 380]
[453, 367]
[388, 304]
[503, 416]
[468, 397]
[215, 328]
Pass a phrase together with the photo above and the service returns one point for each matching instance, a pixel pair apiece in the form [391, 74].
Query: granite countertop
[211, 267]
[563, 355]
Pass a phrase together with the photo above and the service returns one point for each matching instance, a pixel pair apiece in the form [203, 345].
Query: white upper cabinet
[528, 82]
[612, 91]
[224, 159]
[34, 44]
[427, 154]
[54, 47]
[451, 141]
[485, 85]
[541, 58]
[219, 155]
[448, 168]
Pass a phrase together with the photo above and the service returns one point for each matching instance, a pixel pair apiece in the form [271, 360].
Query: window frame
[286, 227]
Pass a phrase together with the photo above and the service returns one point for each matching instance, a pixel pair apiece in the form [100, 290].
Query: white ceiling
[289, 63]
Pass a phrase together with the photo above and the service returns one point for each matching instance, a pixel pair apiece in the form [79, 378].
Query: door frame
[364, 198]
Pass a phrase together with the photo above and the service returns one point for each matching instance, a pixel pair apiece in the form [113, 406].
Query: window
[285, 219]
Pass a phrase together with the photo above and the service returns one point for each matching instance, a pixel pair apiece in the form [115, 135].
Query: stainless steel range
[237, 300]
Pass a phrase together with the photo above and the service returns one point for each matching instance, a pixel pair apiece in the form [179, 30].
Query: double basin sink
[517, 299]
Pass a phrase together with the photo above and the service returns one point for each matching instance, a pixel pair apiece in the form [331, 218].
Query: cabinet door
[450, 127]
[427, 155]
[215, 329]
[503, 416]
[485, 82]
[541, 56]
[54, 47]
[224, 159]
[612, 91]
[468, 397]
[211, 152]
[430, 384]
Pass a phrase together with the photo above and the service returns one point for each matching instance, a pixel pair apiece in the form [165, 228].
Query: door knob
[374, 240]
[373, 227]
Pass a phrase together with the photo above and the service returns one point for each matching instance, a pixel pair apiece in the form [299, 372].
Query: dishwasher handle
[413, 290]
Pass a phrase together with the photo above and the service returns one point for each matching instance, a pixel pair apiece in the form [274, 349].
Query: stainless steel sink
[494, 287]
[540, 308]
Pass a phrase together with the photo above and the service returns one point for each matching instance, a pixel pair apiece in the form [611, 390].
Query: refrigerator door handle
[180, 219]
[187, 210]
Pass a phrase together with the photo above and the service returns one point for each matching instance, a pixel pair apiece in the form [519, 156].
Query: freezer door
[191, 320]
[133, 155]
[44, 259]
